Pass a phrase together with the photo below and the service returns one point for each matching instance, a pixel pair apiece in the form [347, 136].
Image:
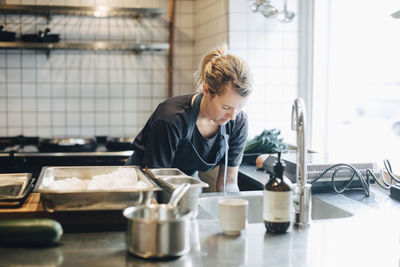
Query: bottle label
[278, 206]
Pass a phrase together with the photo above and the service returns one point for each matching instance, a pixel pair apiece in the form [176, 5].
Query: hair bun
[219, 68]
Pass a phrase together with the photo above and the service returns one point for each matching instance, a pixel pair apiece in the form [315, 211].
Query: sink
[320, 209]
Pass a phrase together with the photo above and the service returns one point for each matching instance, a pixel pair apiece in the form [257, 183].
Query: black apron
[186, 157]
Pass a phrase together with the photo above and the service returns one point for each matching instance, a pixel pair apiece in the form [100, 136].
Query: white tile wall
[86, 93]
[184, 47]
[269, 47]
[271, 50]
[211, 26]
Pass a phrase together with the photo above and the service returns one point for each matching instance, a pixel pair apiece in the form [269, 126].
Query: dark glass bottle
[278, 200]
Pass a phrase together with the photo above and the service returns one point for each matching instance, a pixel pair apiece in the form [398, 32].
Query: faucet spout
[298, 125]
[302, 192]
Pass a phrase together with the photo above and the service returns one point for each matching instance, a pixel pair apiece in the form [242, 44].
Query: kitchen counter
[369, 238]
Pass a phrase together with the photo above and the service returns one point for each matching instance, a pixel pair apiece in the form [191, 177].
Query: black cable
[388, 168]
[355, 173]
[384, 186]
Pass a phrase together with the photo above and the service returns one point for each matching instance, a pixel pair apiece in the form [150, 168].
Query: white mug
[233, 215]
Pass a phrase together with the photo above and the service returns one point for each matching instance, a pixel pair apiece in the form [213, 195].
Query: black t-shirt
[168, 125]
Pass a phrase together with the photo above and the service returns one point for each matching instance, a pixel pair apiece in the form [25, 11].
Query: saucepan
[159, 230]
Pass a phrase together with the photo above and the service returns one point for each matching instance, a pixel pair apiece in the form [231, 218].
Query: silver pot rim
[183, 214]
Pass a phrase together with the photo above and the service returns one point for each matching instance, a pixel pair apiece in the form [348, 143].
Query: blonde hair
[219, 69]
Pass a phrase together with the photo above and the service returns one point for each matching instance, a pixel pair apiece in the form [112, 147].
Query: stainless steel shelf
[101, 11]
[95, 46]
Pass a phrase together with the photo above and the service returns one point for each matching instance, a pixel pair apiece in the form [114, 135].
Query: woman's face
[223, 108]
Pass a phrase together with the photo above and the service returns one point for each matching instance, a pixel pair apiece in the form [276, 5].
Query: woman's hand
[231, 179]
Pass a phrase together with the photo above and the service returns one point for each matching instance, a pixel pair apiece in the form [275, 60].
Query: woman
[193, 132]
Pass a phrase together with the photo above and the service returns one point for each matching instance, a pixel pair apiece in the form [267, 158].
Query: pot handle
[178, 194]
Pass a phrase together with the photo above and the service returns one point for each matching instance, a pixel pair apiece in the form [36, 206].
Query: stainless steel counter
[369, 238]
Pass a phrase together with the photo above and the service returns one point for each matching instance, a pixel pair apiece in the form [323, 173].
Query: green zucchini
[39, 232]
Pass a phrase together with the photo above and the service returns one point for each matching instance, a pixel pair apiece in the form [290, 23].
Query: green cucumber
[30, 232]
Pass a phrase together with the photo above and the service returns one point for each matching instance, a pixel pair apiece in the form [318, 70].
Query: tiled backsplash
[84, 93]
[113, 93]
[210, 26]
[271, 49]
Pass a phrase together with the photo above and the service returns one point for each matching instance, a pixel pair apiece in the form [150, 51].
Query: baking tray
[63, 200]
[15, 188]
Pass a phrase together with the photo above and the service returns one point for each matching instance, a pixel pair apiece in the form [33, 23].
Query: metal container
[13, 185]
[165, 172]
[159, 230]
[191, 197]
[57, 200]
[15, 188]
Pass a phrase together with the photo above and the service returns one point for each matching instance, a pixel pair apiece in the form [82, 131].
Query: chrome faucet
[302, 190]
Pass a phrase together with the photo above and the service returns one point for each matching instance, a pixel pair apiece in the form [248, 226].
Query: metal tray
[15, 188]
[13, 185]
[57, 200]
[172, 182]
[165, 172]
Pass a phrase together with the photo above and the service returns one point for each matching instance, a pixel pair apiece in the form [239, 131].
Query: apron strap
[226, 137]
[194, 113]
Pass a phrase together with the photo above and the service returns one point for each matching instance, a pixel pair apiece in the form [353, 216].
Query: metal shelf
[101, 11]
[95, 46]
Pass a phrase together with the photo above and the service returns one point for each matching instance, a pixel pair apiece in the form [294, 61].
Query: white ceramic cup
[233, 215]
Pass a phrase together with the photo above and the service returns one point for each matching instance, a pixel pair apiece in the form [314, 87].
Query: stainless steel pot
[159, 230]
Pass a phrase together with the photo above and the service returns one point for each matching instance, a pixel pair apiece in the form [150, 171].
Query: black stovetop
[21, 154]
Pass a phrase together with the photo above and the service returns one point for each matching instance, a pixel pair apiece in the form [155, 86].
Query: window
[356, 92]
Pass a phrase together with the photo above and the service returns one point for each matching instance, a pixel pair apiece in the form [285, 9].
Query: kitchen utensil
[41, 36]
[178, 193]
[159, 230]
[190, 199]
[113, 199]
[67, 145]
[6, 36]
[285, 15]
[267, 9]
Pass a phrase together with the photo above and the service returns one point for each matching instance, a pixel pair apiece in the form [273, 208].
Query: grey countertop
[369, 238]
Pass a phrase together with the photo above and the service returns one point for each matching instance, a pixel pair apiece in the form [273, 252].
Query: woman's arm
[161, 144]
[231, 179]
